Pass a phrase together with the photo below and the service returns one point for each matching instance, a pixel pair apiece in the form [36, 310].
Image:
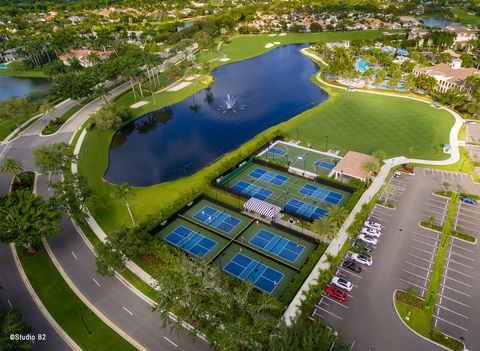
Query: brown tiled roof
[352, 164]
[455, 76]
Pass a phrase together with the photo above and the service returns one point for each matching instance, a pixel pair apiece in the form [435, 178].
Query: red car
[336, 293]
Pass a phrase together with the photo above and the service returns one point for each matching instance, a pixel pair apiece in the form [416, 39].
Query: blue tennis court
[267, 176]
[252, 190]
[324, 164]
[277, 151]
[190, 241]
[304, 209]
[277, 245]
[217, 219]
[263, 277]
[321, 194]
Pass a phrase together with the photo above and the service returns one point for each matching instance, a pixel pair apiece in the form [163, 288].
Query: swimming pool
[362, 65]
[3, 65]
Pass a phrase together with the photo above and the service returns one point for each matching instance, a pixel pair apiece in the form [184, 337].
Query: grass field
[352, 121]
[462, 15]
[66, 308]
[21, 74]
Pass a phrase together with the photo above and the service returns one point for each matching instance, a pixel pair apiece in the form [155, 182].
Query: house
[464, 35]
[388, 50]
[408, 21]
[74, 20]
[344, 44]
[352, 166]
[448, 76]
[401, 52]
[14, 54]
[84, 56]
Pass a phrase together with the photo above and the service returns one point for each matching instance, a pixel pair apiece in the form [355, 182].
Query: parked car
[362, 245]
[342, 283]
[361, 258]
[337, 293]
[368, 239]
[352, 265]
[468, 200]
[372, 224]
[397, 175]
[370, 231]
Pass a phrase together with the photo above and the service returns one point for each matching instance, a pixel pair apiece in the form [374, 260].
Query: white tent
[261, 208]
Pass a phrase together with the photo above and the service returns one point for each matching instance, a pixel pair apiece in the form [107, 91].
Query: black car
[362, 245]
[352, 265]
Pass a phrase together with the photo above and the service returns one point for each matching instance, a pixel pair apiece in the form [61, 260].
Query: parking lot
[404, 258]
[472, 133]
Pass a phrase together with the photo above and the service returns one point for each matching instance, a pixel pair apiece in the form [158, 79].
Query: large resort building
[448, 76]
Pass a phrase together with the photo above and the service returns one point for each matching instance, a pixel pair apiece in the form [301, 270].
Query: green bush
[410, 299]
[436, 227]
[443, 339]
[464, 236]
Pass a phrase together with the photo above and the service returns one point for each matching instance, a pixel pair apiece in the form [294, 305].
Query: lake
[181, 139]
[21, 87]
[438, 23]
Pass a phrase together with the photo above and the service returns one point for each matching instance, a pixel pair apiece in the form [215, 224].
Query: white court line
[170, 341]
[453, 300]
[451, 311]
[455, 280]
[95, 281]
[414, 274]
[74, 256]
[333, 314]
[457, 291]
[456, 271]
[444, 320]
[127, 310]
[416, 265]
[408, 282]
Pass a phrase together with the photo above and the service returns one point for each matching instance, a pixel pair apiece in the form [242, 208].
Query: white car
[342, 283]
[372, 224]
[368, 239]
[370, 231]
[363, 259]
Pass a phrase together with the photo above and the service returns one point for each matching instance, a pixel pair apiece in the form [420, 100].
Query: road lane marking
[170, 341]
[127, 310]
[95, 281]
[455, 325]
[74, 256]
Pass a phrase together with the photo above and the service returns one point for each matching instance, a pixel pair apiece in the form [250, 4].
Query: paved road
[116, 301]
[14, 292]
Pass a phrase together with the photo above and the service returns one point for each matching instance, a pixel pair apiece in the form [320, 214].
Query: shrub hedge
[410, 299]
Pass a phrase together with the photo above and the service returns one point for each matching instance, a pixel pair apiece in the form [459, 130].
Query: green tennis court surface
[304, 159]
[249, 250]
[296, 195]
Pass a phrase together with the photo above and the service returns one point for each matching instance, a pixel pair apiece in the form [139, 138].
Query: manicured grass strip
[443, 339]
[418, 318]
[67, 309]
[464, 236]
[429, 225]
[22, 74]
[139, 284]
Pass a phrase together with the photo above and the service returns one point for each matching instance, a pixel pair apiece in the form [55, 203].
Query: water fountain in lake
[230, 105]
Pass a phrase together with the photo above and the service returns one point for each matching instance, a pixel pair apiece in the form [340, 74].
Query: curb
[413, 331]
[43, 310]
[97, 312]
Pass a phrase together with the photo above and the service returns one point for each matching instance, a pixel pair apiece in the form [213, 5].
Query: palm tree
[12, 166]
[380, 155]
[337, 214]
[48, 107]
[102, 91]
[371, 167]
[326, 226]
[124, 192]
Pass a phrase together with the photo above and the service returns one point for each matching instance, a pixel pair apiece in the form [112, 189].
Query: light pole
[85, 324]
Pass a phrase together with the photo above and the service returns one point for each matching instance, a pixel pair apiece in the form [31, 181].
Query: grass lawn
[139, 284]
[243, 47]
[66, 308]
[22, 74]
[352, 121]
[462, 15]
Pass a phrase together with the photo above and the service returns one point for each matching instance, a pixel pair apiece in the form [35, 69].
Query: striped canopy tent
[261, 208]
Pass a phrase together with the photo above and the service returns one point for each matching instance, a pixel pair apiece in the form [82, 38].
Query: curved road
[110, 296]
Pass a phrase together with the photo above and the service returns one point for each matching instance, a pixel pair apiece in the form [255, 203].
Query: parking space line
[461, 264]
[427, 236]
[461, 247]
[333, 314]
[444, 320]
[424, 243]
[458, 291]
[455, 280]
[457, 271]
[344, 270]
[408, 282]
[332, 300]
[450, 299]
[462, 256]
[452, 311]
[416, 265]
[416, 275]
[423, 259]
[421, 250]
